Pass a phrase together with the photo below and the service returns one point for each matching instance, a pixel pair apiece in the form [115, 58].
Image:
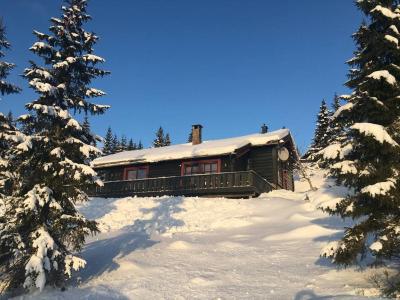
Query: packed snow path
[199, 248]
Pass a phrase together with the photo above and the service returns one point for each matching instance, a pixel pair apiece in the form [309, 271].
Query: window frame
[200, 162]
[136, 168]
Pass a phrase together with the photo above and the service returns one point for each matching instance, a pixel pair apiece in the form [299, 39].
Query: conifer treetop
[5, 67]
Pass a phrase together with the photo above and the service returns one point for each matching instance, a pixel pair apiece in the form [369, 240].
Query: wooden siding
[160, 169]
[261, 161]
[289, 168]
[165, 169]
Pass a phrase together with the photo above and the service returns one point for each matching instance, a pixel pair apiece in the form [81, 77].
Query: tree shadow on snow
[334, 223]
[100, 255]
[97, 207]
[311, 295]
[99, 292]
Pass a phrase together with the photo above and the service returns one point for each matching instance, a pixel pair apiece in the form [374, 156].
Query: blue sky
[229, 65]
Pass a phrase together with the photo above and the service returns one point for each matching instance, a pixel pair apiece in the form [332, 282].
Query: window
[211, 167]
[133, 173]
[201, 167]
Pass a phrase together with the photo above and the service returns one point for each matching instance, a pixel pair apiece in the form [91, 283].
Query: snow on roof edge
[187, 151]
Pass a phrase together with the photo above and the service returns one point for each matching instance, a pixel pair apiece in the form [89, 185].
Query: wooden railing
[244, 183]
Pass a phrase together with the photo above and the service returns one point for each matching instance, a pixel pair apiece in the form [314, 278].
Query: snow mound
[179, 245]
[306, 232]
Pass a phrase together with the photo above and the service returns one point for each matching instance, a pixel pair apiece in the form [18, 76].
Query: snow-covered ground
[208, 248]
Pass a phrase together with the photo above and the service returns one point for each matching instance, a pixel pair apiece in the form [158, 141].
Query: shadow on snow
[101, 255]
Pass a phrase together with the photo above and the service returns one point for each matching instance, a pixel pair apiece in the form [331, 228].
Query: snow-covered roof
[184, 151]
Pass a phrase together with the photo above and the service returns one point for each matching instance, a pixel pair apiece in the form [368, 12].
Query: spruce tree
[367, 159]
[9, 135]
[108, 142]
[321, 135]
[159, 141]
[131, 145]
[139, 146]
[88, 132]
[6, 88]
[167, 140]
[190, 138]
[123, 144]
[44, 233]
[115, 144]
[335, 127]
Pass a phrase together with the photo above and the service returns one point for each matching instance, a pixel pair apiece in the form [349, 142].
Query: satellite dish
[283, 154]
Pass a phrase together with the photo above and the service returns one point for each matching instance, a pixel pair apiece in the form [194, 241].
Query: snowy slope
[199, 248]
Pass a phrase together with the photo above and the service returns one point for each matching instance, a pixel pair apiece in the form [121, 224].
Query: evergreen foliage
[140, 145]
[131, 145]
[367, 159]
[6, 88]
[161, 140]
[123, 144]
[114, 144]
[10, 119]
[335, 127]
[321, 134]
[190, 138]
[108, 142]
[167, 140]
[10, 136]
[41, 230]
[88, 132]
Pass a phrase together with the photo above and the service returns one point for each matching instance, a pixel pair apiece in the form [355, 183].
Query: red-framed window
[132, 173]
[201, 167]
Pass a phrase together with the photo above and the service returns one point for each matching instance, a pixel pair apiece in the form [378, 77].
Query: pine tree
[167, 140]
[320, 140]
[5, 67]
[159, 141]
[108, 142]
[140, 145]
[44, 233]
[190, 138]
[131, 145]
[367, 159]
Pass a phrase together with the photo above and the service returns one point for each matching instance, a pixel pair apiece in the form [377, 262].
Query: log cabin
[236, 167]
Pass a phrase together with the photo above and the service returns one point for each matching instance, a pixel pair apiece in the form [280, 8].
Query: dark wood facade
[252, 164]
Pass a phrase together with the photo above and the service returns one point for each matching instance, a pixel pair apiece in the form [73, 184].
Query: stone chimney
[196, 134]
[264, 128]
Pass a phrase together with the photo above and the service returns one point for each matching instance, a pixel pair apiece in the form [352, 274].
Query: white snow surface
[206, 148]
[215, 248]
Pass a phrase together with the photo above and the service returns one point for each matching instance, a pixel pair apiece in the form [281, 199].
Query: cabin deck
[228, 184]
